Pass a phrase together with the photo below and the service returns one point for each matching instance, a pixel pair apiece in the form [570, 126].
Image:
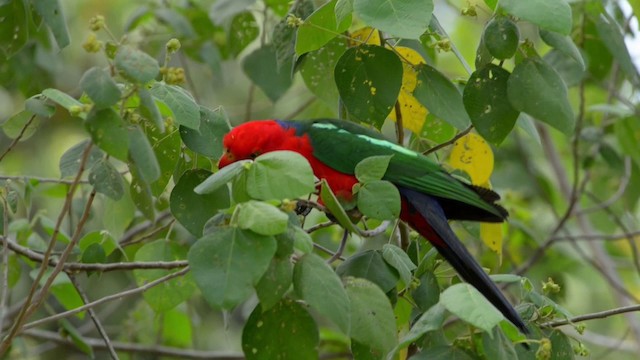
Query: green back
[342, 145]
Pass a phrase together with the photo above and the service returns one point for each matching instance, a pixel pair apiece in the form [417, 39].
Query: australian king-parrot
[429, 195]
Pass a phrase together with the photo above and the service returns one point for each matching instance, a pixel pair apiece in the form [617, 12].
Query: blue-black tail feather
[450, 247]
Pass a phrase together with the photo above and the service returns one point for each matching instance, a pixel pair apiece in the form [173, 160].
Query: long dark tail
[425, 215]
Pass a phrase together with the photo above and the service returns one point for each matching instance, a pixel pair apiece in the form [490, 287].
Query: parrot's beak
[226, 159]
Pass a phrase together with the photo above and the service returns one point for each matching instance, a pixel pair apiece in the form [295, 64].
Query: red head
[253, 138]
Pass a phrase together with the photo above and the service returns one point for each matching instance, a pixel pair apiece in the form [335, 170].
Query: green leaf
[207, 140]
[222, 177]
[102, 238]
[275, 282]
[100, 87]
[167, 150]
[106, 179]
[136, 65]
[283, 37]
[371, 266]
[441, 97]
[343, 9]
[149, 109]
[271, 170]
[399, 259]
[372, 168]
[117, 215]
[286, 332]
[613, 38]
[563, 44]
[560, 346]
[372, 319]
[262, 68]
[429, 321]
[536, 89]
[628, 133]
[51, 12]
[486, 102]
[69, 331]
[501, 37]
[552, 15]
[242, 32]
[176, 329]
[14, 126]
[379, 199]
[37, 104]
[184, 108]
[143, 156]
[141, 195]
[319, 28]
[62, 289]
[168, 294]
[223, 10]
[464, 301]
[317, 284]
[495, 345]
[317, 70]
[333, 205]
[442, 352]
[427, 294]
[109, 132]
[228, 262]
[193, 210]
[261, 218]
[369, 78]
[14, 29]
[61, 98]
[302, 241]
[402, 18]
[569, 70]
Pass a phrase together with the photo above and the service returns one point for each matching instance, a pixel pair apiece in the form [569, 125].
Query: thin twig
[598, 237]
[300, 108]
[17, 139]
[72, 267]
[4, 292]
[338, 254]
[158, 351]
[450, 142]
[94, 318]
[622, 187]
[6, 342]
[42, 179]
[106, 299]
[592, 316]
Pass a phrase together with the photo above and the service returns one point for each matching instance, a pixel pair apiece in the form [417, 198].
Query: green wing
[342, 145]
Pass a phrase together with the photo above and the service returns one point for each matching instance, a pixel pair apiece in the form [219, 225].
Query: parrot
[429, 195]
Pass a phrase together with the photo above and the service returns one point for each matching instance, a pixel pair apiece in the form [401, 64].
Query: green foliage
[132, 130]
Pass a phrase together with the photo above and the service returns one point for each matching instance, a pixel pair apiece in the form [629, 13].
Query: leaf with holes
[485, 99]
[369, 78]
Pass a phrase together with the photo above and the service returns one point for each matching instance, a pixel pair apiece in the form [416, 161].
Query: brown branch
[6, 342]
[592, 316]
[94, 318]
[42, 179]
[72, 267]
[108, 298]
[155, 350]
[598, 237]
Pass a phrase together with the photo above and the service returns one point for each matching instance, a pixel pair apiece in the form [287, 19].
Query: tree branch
[106, 299]
[592, 316]
[155, 350]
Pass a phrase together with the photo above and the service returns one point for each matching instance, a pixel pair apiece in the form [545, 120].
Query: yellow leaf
[491, 234]
[412, 111]
[474, 156]
[366, 35]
